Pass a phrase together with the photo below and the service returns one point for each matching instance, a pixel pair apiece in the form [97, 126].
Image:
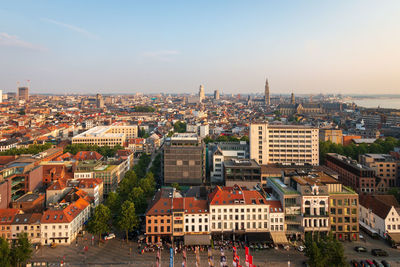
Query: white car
[109, 236]
[301, 248]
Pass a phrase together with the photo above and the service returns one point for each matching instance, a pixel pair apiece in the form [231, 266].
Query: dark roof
[379, 204]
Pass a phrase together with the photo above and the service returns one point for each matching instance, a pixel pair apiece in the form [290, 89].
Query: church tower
[267, 99]
[293, 100]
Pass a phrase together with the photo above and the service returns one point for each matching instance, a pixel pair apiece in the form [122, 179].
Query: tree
[5, 253]
[148, 184]
[113, 203]
[176, 186]
[127, 220]
[180, 127]
[21, 250]
[324, 251]
[139, 199]
[99, 222]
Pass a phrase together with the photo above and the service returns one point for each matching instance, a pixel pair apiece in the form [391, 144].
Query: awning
[395, 237]
[279, 238]
[191, 240]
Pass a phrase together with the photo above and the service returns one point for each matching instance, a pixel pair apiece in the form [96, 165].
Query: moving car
[360, 249]
[379, 252]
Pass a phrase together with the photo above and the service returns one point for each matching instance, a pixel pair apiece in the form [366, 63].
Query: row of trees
[122, 208]
[379, 146]
[31, 149]
[324, 251]
[106, 151]
[144, 109]
[224, 138]
[17, 254]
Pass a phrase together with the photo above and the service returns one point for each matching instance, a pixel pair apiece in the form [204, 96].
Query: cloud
[13, 41]
[71, 27]
[162, 55]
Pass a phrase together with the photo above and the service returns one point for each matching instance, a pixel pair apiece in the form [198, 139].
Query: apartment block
[385, 167]
[333, 135]
[359, 177]
[184, 159]
[284, 144]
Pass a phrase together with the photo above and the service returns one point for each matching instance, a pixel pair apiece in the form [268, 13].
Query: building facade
[184, 159]
[107, 135]
[284, 144]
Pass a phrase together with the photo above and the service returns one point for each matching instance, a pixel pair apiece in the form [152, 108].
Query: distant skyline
[305, 47]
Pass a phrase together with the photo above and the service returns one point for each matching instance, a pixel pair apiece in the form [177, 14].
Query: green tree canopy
[21, 250]
[127, 220]
[5, 253]
[180, 127]
[99, 222]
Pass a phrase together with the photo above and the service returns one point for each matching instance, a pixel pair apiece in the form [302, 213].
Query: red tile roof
[235, 195]
[7, 215]
[65, 215]
[193, 205]
[88, 155]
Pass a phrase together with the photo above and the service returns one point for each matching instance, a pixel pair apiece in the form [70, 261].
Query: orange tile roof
[7, 215]
[88, 155]
[65, 215]
[235, 195]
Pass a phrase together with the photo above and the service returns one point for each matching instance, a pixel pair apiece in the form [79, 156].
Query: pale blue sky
[174, 46]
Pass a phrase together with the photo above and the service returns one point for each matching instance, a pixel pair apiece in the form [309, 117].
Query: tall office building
[23, 93]
[201, 93]
[292, 99]
[267, 99]
[216, 94]
[184, 159]
[284, 144]
[99, 101]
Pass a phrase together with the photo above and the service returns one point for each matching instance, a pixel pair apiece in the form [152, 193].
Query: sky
[305, 47]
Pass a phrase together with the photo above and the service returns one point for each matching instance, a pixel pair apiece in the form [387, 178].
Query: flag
[171, 257]
[210, 258]
[247, 256]
[184, 258]
[197, 252]
[158, 258]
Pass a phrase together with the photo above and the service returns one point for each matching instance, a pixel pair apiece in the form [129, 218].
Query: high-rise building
[267, 98]
[284, 144]
[184, 159]
[292, 99]
[216, 95]
[201, 93]
[99, 101]
[23, 93]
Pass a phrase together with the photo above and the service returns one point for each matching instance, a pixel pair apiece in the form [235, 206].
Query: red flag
[247, 256]
[250, 260]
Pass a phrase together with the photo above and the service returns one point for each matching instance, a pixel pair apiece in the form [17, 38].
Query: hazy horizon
[310, 47]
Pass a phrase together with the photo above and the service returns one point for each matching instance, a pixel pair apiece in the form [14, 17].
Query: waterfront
[375, 102]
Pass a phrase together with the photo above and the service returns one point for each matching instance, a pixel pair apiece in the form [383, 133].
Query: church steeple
[292, 99]
[266, 93]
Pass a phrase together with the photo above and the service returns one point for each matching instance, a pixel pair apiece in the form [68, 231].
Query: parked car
[354, 263]
[301, 248]
[377, 263]
[385, 263]
[109, 236]
[360, 249]
[370, 263]
[379, 252]
[364, 263]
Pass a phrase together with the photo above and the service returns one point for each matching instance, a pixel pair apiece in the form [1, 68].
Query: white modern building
[284, 144]
[107, 135]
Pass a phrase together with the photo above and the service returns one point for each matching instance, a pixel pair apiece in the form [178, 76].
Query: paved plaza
[117, 252]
